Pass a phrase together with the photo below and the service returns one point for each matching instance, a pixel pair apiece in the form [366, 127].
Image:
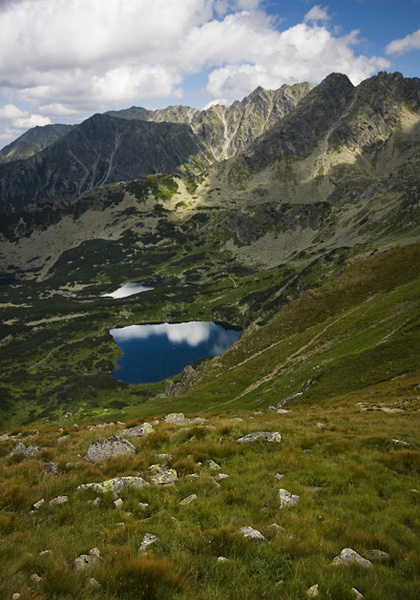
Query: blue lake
[153, 353]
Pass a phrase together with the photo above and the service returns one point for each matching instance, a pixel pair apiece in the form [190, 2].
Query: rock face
[269, 436]
[349, 557]
[285, 498]
[113, 446]
[115, 485]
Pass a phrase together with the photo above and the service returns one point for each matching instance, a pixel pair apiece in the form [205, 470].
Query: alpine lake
[158, 351]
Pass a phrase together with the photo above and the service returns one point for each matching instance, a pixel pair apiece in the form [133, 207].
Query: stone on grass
[113, 446]
[279, 476]
[252, 534]
[84, 561]
[143, 505]
[115, 485]
[51, 467]
[269, 436]
[375, 555]
[163, 475]
[58, 500]
[36, 578]
[44, 552]
[220, 476]
[16, 596]
[138, 431]
[349, 557]
[118, 503]
[188, 499]
[93, 584]
[221, 559]
[356, 594]
[175, 418]
[401, 444]
[148, 539]
[26, 451]
[285, 498]
[4, 437]
[38, 504]
[313, 591]
[214, 466]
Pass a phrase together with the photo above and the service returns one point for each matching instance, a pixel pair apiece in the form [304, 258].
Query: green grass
[353, 483]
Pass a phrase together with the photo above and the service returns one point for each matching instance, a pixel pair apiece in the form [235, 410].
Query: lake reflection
[156, 352]
[128, 289]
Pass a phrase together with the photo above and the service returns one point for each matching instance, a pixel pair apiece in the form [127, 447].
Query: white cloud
[60, 58]
[317, 13]
[192, 333]
[32, 121]
[406, 44]
[10, 111]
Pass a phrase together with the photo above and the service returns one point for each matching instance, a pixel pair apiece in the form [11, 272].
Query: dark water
[156, 352]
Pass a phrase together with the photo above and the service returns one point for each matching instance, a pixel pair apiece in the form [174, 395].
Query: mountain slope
[100, 151]
[33, 141]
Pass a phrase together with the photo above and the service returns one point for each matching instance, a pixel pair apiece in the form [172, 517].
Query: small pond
[128, 289]
[156, 352]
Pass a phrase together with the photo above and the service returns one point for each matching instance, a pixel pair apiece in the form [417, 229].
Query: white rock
[214, 466]
[35, 578]
[358, 595]
[175, 418]
[58, 500]
[279, 476]
[285, 498]
[93, 584]
[188, 499]
[143, 505]
[251, 533]
[148, 539]
[313, 591]
[349, 557]
[38, 504]
[221, 559]
[16, 596]
[221, 476]
[44, 552]
[118, 503]
[84, 561]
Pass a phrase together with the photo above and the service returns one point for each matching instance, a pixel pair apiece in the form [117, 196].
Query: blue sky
[63, 60]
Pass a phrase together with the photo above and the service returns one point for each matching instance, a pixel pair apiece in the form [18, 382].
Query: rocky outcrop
[138, 430]
[285, 498]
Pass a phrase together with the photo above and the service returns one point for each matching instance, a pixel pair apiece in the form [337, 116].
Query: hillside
[293, 215]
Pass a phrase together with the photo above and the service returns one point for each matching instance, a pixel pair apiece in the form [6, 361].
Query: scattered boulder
[214, 466]
[113, 446]
[38, 504]
[4, 437]
[401, 444]
[175, 418]
[252, 534]
[375, 555]
[115, 485]
[51, 467]
[279, 476]
[220, 476]
[285, 498]
[93, 584]
[36, 578]
[188, 499]
[269, 436]
[148, 539]
[118, 503]
[138, 431]
[16, 596]
[221, 559]
[143, 505]
[349, 557]
[62, 438]
[313, 591]
[26, 451]
[44, 552]
[58, 500]
[162, 475]
[357, 595]
[84, 561]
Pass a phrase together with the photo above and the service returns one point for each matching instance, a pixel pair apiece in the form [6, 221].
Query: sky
[64, 60]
